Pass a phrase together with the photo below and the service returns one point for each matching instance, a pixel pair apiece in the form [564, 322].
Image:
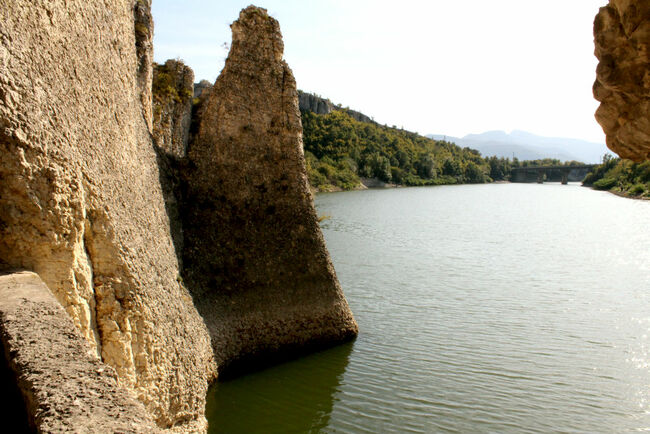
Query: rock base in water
[254, 256]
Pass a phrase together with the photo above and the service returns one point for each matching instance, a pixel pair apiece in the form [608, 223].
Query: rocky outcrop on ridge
[80, 197]
[254, 256]
[314, 103]
[622, 38]
[68, 389]
[323, 106]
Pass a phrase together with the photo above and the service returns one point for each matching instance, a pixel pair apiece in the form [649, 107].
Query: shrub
[605, 184]
[637, 189]
[316, 179]
[326, 170]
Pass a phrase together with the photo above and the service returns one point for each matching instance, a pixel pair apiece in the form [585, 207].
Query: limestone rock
[201, 87]
[143, 26]
[622, 38]
[254, 255]
[172, 92]
[80, 196]
[173, 87]
[64, 385]
[314, 103]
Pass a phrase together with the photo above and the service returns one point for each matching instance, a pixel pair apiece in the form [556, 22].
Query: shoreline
[623, 194]
[376, 184]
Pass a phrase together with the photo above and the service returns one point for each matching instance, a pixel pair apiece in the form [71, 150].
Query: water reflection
[297, 396]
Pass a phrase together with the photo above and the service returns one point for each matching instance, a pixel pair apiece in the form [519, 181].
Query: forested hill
[623, 177]
[340, 149]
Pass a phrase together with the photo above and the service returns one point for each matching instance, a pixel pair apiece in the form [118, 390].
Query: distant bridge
[539, 174]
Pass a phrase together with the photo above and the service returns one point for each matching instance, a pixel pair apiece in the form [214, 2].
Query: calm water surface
[487, 308]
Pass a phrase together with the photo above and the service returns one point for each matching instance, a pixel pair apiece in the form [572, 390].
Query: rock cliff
[80, 197]
[173, 89]
[102, 194]
[201, 87]
[67, 388]
[315, 104]
[323, 106]
[255, 259]
[622, 38]
[143, 31]
[172, 96]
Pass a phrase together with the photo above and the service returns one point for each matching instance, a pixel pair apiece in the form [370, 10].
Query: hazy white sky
[445, 67]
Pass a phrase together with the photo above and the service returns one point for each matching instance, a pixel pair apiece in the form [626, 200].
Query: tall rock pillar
[254, 255]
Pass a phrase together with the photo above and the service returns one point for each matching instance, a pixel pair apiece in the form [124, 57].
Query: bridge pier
[565, 178]
[540, 176]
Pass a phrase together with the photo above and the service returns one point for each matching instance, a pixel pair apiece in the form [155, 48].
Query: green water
[297, 396]
[488, 308]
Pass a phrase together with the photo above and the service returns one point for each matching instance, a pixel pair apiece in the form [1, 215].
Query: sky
[439, 66]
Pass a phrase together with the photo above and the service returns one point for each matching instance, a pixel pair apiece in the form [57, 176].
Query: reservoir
[481, 308]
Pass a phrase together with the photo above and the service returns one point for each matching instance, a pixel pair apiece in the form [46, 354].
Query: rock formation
[323, 106]
[143, 30]
[254, 257]
[172, 96]
[68, 389]
[201, 87]
[80, 197]
[314, 103]
[622, 38]
[92, 188]
[173, 91]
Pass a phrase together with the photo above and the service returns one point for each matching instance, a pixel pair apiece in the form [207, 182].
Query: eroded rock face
[315, 104]
[173, 85]
[254, 256]
[201, 87]
[143, 29]
[172, 92]
[622, 38]
[80, 196]
[66, 387]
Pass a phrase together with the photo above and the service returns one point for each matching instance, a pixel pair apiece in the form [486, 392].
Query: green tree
[473, 173]
[425, 166]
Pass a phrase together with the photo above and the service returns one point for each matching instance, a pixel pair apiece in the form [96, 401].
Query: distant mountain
[527, 146]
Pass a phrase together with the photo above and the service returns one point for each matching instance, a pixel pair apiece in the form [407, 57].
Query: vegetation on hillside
[621, 176]
[545, 162]
[339, 150]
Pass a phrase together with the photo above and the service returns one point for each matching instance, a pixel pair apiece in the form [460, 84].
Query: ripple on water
[497, 308]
